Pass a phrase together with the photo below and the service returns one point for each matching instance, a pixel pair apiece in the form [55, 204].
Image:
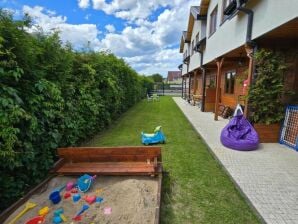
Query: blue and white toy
[154, 138]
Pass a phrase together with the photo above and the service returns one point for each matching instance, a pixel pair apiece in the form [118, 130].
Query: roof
[183, 40]
[204, 7]
[172, 75]
[195, 13]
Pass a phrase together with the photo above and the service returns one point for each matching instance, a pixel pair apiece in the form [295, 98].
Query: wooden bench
[196, 99]
[132, 160]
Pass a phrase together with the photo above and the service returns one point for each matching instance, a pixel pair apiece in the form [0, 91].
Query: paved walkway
[268, 177]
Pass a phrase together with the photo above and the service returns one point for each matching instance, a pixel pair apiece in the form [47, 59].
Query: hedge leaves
[52, 96]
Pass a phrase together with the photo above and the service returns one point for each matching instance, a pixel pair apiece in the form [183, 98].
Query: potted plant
[265, 95]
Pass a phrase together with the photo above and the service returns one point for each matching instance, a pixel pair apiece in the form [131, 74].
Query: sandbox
[132, 199]
[128, 182]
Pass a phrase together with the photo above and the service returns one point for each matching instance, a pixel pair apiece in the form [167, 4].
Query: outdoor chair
[155, 97]
[149, 98]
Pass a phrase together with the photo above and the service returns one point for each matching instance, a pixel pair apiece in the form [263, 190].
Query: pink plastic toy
[69, 186]
[107, 210]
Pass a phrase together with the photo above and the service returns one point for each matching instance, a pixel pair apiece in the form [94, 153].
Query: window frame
[213, 21]
[224, 6]
[228, 89]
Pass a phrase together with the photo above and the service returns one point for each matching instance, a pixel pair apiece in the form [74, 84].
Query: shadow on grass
[167, 210]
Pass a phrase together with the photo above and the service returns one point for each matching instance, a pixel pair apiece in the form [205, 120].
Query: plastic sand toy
[78, 215]
[76, 197]
[84, 182]
[28, 206]
[36, 220]
[44, 211]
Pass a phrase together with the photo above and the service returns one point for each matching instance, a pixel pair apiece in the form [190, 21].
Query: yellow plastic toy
[63, 218]
[44, 211]
[28, 206]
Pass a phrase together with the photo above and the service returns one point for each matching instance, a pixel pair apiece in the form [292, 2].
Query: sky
[145, 33]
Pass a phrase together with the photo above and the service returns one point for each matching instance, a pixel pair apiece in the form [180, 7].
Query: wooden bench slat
[104, 158]
[100, 168]
[125, 160]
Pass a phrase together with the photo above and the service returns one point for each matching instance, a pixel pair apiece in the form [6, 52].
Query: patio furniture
[149, 98]
[196, 99]
[155, 97]
[239, 134]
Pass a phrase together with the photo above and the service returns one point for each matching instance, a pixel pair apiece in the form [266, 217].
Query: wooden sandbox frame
[106, 161]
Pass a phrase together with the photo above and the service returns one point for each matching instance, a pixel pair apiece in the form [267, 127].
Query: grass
[195, 187]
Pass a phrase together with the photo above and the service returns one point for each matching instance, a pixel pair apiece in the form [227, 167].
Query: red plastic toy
[90, 199]
[67, 195]
[74, 190]
[36, 220]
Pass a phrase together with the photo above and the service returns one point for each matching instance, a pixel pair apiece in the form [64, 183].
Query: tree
[156, 77]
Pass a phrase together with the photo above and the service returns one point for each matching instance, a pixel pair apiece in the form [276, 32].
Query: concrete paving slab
[268, 177]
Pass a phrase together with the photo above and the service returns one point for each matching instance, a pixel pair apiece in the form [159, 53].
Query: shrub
[52, 96]
[265, 96]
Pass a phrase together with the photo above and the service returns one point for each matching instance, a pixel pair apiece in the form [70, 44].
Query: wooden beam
[189, 84]
[249, 51]
[219, 63]
[203, 89]
[195, 82]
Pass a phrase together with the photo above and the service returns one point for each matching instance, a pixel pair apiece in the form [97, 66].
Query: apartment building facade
[220, 41]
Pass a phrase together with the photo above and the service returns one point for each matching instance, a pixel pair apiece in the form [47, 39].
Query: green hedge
[52, 96]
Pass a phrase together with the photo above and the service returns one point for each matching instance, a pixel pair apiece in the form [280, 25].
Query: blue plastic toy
[55, 197]
[84, 182]
[156, 137]
[76, 197]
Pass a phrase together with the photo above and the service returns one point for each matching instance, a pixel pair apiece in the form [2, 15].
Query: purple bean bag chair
[239, 134]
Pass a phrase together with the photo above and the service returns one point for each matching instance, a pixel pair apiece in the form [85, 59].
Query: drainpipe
[250, 15]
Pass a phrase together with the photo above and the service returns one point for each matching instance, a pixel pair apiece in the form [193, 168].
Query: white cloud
[147, 45]
[130, 9]
[68, 32]
[14, 12]
[84, 3]
[150, 46]
[110, 28]
[159, 62]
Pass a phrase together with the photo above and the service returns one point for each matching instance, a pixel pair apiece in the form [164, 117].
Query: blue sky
[145, 33]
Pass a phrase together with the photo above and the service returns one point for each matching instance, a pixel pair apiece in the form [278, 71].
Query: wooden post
[189, 84]
[249, 51]
[195, 87]
[185, 87]
[219, 63]
[182, 87]
[203, 88]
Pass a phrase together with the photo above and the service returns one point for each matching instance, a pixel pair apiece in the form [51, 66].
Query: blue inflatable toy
[156, 137]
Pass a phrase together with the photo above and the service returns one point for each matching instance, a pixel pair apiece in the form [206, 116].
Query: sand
[132, 200]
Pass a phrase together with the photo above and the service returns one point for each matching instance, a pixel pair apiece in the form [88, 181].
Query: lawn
[195, 187]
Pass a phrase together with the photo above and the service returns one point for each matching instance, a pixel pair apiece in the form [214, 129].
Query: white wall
[268, 14]
[184, 69]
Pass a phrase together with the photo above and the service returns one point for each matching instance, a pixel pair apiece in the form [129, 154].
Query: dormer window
[213, 21]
